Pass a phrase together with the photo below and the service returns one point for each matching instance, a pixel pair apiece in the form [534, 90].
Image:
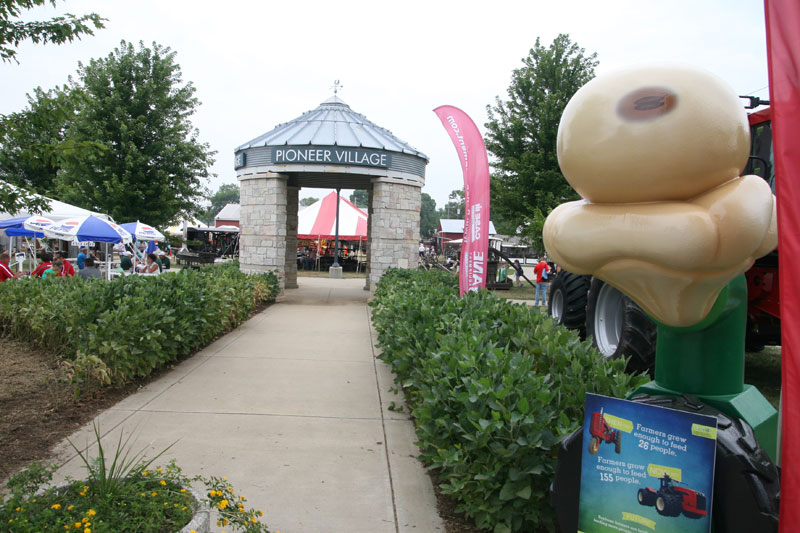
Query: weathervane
[336, 87]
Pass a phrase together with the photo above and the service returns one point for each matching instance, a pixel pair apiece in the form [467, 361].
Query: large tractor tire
[646, 497]
[567, 302]
[746, 481]
[668, 504]
[619, 327]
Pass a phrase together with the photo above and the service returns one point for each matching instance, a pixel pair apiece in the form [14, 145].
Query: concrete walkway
[292, 408]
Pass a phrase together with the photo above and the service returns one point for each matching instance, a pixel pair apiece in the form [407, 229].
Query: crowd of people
[56, 263]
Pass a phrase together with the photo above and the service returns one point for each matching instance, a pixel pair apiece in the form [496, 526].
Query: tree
[308, 201]
[428, 218]
[360, 198]
[138, 108]
[226, 194]
[57, 30]
[15, 200]
[521, 132]
[454, 208]
[34, 143]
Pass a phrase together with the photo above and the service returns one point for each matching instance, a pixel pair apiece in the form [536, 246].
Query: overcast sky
[257, 64]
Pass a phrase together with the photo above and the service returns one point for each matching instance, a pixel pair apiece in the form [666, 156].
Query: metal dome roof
[333, 123]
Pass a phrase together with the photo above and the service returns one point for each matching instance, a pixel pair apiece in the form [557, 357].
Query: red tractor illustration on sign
[601, 431]
[671, 500]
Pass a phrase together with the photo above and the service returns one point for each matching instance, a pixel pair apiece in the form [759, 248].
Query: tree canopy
[57, 30]
[428, 217]
[522, 130]
[360, 198]
[454, 208]
[308, 201]
[138, 109]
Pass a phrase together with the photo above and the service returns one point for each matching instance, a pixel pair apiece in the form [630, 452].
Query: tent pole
[336, 246]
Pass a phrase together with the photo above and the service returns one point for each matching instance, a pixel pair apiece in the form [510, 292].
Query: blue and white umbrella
[143, 232]
[29, 226]
[87, 228]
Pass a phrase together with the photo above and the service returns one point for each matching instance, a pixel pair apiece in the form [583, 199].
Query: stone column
[262, 225]
[291, 236]
[393, 226]
[369, 239]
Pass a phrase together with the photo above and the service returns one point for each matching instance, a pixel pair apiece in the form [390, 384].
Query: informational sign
[317, 155]
[645, 468]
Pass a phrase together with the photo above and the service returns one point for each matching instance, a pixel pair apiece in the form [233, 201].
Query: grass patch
[526, 292]
[763, 370]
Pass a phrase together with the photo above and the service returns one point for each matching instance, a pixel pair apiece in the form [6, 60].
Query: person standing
[541, 271]
[81, 257]
[517, 273]
[5, 269]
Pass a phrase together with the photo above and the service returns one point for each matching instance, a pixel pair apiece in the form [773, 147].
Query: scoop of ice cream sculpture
[656, 154]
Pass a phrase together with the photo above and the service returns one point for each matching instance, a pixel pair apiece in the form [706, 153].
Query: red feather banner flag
[475, 166]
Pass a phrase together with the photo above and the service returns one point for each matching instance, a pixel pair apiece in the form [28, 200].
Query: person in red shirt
[45, 259]
[5, 269]
[541, 270]
[67, 269]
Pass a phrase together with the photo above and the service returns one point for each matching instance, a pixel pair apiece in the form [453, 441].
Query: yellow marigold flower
[219, 523]
[145, 472]
[153, 493]
[224, 521]
[87, 530]
[183, 490]
[159, 470]
[77, 524]
[67, 527]
[163, 482]
[222, 504]
[55, 506]
[230, 489]
[71, 507]
[91, 512]
[253, 519]
[85, 520]
[260, 513]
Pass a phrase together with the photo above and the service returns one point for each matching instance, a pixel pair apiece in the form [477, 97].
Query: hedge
[493, 386]
[115, 331]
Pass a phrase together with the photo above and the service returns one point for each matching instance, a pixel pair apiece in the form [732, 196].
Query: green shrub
[493, 386]
[112, 332]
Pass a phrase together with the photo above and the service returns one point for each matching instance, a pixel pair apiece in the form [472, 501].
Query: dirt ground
[38, 410]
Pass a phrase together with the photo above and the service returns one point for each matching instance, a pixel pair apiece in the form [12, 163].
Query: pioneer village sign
[329, 147]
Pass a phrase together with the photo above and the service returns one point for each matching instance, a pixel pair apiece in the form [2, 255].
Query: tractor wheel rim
[557, 305]
[660, 504]
[608, 319]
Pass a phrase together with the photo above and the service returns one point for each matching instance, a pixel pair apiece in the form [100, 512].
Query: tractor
[601, 432]
[671, 500]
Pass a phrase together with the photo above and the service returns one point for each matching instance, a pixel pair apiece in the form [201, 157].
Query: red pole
[783, 53]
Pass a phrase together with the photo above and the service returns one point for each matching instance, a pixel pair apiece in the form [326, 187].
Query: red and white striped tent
[318, 221]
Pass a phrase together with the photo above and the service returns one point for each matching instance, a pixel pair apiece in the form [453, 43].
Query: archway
[329, 147]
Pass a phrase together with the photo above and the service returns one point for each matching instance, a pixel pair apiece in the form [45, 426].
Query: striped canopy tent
[319, 220]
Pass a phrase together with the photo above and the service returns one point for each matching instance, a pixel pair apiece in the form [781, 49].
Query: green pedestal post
[707, 360]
